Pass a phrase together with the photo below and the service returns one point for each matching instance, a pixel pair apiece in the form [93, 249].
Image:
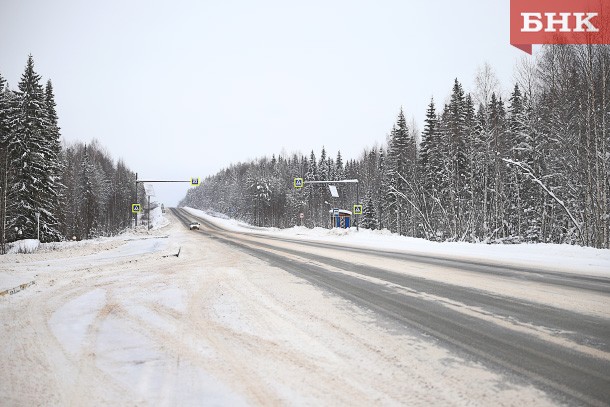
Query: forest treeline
[531, 167]
[77, 189]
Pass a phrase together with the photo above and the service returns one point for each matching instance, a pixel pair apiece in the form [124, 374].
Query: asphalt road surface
[562, 351]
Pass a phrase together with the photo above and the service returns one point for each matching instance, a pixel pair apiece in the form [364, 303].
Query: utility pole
[38, 225]
[135, 223]
[148, 214]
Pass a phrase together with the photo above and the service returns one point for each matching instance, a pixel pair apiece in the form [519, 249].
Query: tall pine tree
[32, 188]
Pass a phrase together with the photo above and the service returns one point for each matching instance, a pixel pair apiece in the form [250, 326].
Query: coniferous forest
[531, 166]
[77, 190]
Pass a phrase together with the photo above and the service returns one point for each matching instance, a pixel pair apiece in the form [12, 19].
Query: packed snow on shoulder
[23, 246]
[127, 322]
[556, 257]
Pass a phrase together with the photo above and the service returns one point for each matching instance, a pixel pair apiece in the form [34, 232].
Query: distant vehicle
[194, 225]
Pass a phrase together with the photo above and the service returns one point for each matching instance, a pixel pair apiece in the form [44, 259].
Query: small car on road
[194, 225]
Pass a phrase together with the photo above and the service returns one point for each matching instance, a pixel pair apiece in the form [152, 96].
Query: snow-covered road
[126, 322]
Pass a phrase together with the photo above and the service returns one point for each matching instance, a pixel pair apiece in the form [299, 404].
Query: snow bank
[157, 219]
[555, 257]
[24, 246]
[93, 251]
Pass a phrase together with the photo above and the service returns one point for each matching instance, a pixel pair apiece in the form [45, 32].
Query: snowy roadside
[552, 257]
[120, 323]
[52, 256]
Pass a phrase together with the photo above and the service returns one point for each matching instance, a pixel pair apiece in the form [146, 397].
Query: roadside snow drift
[124, 321]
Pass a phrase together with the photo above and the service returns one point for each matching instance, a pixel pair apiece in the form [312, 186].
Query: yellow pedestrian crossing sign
[136, 208]
[357, 209]
[298, 182]
[195, 182]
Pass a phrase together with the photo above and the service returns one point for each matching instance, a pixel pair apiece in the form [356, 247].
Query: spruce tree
[400, 170]
[390, 207]
[311, 190]
[87, 197]
[431, 163]
[4, 158]
[369, 215]
[469, 178]
[31, 190]
[428, 143]
[52, 185]
[517, 147]
[497, 139]
[312, 168]
[339, 170]
[380, 196]
[323, 166]
[456, 138]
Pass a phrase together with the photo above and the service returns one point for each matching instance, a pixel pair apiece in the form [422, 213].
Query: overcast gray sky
[185, 88]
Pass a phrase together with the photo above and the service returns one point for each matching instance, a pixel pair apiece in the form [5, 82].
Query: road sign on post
[136, 208]
[195, 182]
[298, 182]
[357, 209]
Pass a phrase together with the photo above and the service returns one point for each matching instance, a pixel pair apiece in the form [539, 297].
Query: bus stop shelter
[340, 218]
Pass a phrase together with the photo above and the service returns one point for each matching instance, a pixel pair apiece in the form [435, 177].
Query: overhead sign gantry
[137, 208]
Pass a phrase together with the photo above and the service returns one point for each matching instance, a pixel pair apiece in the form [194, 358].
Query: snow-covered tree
[400, 170]
[6, 114]
[369, 215]
[536, 169]
[33, 190]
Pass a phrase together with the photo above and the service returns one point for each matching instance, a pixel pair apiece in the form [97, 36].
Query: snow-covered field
[123, 321]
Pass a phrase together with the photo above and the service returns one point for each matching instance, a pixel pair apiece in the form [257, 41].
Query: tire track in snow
[569, 374]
